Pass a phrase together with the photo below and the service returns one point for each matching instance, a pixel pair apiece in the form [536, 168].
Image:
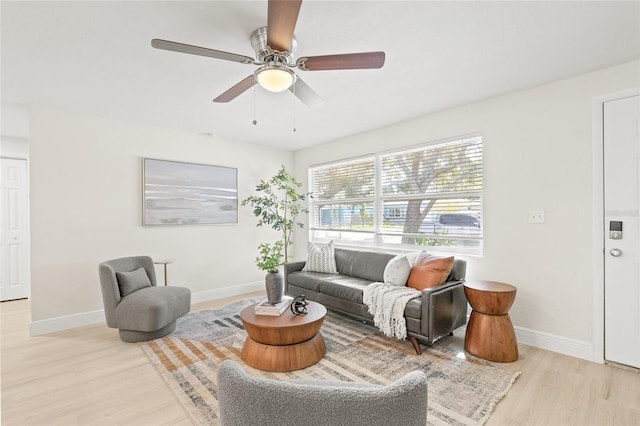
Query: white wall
[14, 120]
[86, 183]
[537, 155]
[14, 130]
[11, 147]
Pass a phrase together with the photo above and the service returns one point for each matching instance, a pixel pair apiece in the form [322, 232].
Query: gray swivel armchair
[134, 303]
[247, 400]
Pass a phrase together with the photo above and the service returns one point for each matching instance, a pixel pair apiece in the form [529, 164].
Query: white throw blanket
[387, 303]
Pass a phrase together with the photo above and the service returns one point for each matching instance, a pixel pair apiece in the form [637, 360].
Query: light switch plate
[536, 216]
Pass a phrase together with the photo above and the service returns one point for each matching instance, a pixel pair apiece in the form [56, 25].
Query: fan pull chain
[294, 107]
[255, 122]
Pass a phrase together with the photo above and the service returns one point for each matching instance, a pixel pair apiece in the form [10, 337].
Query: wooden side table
[284, 343]
[490, 333]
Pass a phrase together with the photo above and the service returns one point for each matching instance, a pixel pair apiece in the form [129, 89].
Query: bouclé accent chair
[246, 400]
[133, 302]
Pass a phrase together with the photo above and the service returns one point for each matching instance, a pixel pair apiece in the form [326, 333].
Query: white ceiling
[95, 58]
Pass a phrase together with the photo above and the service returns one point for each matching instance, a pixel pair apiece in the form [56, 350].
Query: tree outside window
[429, 195]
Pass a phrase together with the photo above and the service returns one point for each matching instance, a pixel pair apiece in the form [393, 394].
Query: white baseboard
[551, 342]
[221, 293]
[554, 343]
[37, 328]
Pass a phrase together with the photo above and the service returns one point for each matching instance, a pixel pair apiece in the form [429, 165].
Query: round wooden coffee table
[490, 333]
[284, 343]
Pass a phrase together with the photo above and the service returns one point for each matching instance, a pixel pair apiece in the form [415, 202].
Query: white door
[14, 219]
[622, 250]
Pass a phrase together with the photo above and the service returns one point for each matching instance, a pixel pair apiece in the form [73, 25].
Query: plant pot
[274, 283]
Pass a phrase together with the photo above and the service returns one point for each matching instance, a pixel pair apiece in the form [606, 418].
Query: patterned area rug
[461, 392]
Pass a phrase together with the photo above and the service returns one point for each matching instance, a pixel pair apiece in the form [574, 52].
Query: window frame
[378, 200]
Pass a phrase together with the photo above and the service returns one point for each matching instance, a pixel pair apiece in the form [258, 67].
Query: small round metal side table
[164, 263]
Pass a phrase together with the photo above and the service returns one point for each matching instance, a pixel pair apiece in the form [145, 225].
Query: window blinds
[429, 195]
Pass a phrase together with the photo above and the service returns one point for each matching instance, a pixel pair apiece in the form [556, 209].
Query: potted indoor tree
[278, 204]
[269, 261]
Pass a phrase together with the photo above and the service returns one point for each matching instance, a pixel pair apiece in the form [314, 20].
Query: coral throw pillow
[429, 271]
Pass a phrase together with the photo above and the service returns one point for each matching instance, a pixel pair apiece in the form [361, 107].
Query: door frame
[598, 231]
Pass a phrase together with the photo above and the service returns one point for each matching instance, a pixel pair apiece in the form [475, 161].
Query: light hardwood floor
[87, 376]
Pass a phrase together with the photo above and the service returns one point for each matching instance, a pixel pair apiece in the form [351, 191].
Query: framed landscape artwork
[177, 193]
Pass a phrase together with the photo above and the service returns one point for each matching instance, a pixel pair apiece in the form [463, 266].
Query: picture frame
[181, 193]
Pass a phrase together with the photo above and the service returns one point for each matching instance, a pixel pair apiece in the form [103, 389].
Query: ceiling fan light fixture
[275, 78]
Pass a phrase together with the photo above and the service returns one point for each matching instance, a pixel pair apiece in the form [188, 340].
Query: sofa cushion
[344, 260]
[459, 270]
[350, 289]
[128, 282]
[321, 259]
[429, 271]
[308, 280]
[343, 287]
[362, 264]
[397, 271]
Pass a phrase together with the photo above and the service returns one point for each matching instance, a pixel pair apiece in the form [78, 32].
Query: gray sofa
[439, 310]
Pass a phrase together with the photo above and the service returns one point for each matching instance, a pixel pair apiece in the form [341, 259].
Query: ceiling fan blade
[200, 51]
[306, 94]
[282, 16]
[236, 90]
[348, 61]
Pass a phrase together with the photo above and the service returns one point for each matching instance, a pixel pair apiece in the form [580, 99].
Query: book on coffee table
[266, 308]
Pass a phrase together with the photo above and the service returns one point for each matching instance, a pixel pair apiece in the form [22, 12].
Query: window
[429, 195]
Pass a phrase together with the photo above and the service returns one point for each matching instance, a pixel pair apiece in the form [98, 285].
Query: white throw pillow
[411, 257]
[397, 271]
[321, 259]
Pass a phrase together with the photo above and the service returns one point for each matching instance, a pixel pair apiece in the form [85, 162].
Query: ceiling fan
[274, 46]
